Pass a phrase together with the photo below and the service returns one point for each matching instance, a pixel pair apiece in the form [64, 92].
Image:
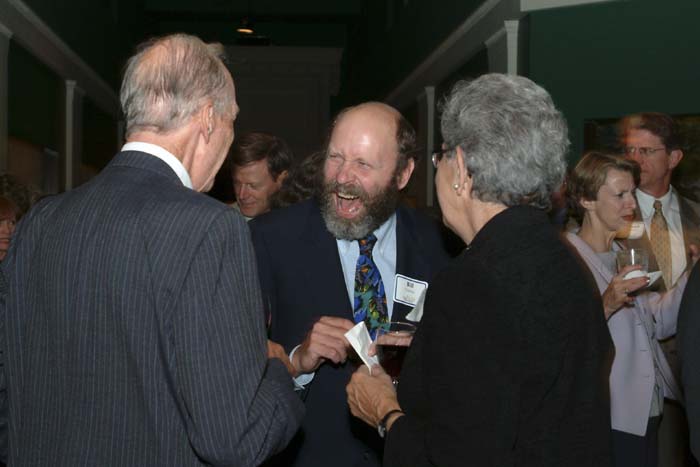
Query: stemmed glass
[391, 344]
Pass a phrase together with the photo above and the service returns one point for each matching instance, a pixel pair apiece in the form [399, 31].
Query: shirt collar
[164, 155]
[646, 202]
[382, 233]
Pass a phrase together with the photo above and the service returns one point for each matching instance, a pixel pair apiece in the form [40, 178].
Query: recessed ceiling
[319, 23]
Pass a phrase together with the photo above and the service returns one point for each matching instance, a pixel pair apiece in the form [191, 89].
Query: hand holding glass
[393, 340]
[633, 257]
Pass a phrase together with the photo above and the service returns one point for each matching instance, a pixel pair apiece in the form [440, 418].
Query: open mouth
[348, 205]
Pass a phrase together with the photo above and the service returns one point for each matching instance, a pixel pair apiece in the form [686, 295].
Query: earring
[456, 186]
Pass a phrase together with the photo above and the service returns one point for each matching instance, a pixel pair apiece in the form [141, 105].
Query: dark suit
[302, 280]
[510, 364]
[688, 340]
[133, 330]
[673, 433]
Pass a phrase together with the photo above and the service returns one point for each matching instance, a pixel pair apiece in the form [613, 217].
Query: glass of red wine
[391, 344]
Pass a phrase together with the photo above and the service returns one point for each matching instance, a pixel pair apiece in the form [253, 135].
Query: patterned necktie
[661, 243]
[370, 299]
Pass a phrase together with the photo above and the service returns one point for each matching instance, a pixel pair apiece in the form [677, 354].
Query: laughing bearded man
[308, 257]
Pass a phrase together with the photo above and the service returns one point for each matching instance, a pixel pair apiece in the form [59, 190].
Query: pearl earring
[456, 186]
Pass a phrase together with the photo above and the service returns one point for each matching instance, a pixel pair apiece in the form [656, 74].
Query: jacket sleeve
[239, 407]
[664, 307]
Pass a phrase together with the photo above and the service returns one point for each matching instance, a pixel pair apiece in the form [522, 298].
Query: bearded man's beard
[378, 208]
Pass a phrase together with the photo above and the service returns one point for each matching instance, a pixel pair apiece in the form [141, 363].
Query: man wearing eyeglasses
[672, 230]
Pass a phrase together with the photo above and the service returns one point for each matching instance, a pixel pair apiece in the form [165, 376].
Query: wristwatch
[381, 426]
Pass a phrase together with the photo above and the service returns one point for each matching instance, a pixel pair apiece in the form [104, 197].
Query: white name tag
[407, 290]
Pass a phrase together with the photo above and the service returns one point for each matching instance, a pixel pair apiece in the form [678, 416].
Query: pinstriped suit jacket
[134, 334]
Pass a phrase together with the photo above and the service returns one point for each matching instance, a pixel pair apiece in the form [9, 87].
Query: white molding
[430, 144]
[534, 5]
[69, 134]
[73, 131]
[4, 77]
[459, 47]
[35, 36]
[512, 27]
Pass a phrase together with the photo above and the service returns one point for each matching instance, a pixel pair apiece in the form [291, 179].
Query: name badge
[407, 290]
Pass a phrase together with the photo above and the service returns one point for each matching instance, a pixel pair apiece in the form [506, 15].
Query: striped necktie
[370, 298]
[661, 243]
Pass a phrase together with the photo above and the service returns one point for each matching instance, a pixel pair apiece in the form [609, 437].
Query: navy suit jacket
[302, 280]
[133, 333]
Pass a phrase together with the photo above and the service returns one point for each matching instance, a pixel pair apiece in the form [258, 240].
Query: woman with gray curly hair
[510, 361]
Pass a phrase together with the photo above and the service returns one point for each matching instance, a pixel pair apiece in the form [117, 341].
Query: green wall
[607, 60]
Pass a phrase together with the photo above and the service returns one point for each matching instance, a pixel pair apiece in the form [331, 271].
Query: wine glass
[393, 340]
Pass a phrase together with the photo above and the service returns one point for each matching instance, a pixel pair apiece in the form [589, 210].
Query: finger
[328, 351]
[634, 284]
[329, 339]
[337, 322]
[324, 327]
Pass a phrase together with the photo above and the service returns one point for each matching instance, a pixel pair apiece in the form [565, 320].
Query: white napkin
[416, 313]
[360, 341]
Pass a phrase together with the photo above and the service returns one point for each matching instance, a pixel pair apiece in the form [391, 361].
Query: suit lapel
[410, 261]
[690, 221]
[323, 269]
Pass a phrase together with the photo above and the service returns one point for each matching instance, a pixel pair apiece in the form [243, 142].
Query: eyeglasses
[644, 152]
[438, 155]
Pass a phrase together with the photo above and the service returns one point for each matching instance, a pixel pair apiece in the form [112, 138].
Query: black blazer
[302, 280]
[510, 364]
[688, 338]
[134, 332]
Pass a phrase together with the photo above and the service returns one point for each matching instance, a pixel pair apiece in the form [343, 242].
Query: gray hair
[513, 137]
[169, 79]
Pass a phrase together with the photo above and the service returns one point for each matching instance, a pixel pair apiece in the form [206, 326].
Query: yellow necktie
[661, 243]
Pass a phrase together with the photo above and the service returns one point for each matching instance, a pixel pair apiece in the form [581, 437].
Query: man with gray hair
[134, 323]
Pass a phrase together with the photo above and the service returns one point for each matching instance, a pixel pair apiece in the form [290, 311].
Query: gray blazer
[635, 332]
[134, 331]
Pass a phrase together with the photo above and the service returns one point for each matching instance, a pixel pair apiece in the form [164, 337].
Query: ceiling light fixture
[246, 27]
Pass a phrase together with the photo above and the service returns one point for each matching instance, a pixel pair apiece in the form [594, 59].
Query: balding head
[386, 117]
[170, 79]
[368, 160]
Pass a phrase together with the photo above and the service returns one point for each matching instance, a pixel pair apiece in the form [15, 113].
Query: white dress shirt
[672, 213]
[384, 256]
[164, 155]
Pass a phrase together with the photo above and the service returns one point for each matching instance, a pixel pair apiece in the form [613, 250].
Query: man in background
[134, 331]
[671, 230]
[260, 162]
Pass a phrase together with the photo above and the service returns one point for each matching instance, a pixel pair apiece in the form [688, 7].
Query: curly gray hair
[513, 137]
[169, 79]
